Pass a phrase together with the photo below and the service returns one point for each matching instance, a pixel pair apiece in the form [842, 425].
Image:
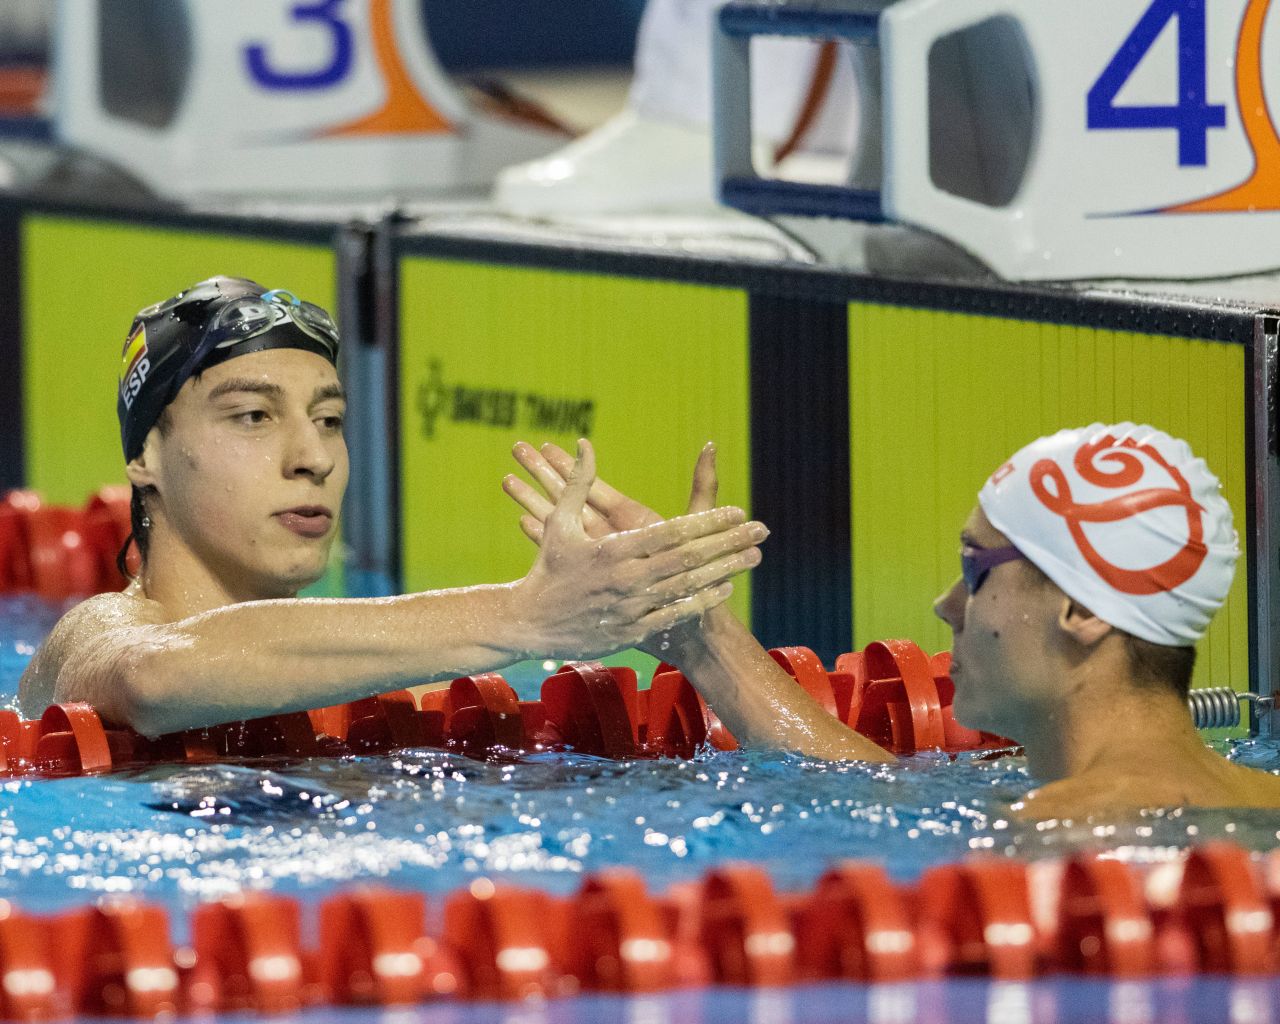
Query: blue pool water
[432, 821]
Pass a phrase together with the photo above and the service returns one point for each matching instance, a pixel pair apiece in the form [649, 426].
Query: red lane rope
[59, 551]
[371, 945]
[896, 695]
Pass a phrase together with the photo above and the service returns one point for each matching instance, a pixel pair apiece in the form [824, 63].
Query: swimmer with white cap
[231, 415]
[1094, 561]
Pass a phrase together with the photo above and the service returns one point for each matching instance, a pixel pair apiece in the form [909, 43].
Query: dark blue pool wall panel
[799, 357]
[483, 35]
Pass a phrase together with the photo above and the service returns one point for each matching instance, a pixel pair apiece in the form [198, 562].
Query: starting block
[324, 99]
[1101, 139]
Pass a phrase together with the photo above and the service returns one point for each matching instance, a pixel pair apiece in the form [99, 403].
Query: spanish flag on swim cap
[1124, 519]
[205, 324]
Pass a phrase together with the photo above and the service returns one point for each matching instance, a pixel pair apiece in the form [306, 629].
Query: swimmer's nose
[308, 454]
[949, 606]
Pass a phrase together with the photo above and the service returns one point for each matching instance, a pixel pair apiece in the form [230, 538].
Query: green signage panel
[648, 370]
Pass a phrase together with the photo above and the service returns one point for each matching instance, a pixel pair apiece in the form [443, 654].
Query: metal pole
[367, 517]
[1265, 541]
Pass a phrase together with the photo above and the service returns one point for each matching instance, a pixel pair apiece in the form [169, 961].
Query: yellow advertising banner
[489, 355]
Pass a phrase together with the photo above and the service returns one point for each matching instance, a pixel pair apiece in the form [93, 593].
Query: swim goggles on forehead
[247, 317]
[976, 562]
[250, 316]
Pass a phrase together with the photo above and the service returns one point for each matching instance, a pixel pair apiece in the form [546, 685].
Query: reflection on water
[434, 821]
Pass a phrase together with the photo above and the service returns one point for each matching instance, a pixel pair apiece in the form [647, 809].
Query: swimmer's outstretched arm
[584, 597]
[755, 698]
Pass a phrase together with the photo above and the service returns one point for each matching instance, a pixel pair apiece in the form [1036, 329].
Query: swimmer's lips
[312, 521]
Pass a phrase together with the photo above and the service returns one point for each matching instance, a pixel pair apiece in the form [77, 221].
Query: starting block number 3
[1192, 116]
[326, 15]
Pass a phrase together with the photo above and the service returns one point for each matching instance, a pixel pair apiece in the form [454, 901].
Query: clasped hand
[597, 587]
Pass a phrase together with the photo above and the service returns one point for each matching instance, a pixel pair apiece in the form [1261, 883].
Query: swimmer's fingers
[711, 574]
[544, 474]
[649, 540]
[533, 529]
[565, 520]
[528, 498]
[552, 479]
[677, 563]
[667, 617]
[614, 507]
[706, 482]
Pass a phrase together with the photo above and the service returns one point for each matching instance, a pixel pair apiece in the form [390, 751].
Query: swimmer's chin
[291, 583]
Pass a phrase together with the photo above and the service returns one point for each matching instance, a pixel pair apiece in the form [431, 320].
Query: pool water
[432, 821]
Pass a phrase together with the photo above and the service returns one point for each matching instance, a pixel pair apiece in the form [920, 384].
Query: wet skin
[1032, 664]
[755, 698]
[996, 633]
[248, 479]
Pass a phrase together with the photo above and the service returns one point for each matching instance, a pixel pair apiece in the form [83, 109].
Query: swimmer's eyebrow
[260, 387]
[246, 384]
[966, 538]
[327, 391]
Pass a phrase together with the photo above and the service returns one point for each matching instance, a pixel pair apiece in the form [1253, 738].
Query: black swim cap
[206, 324]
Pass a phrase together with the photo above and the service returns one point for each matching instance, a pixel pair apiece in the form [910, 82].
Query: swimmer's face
[1002, 640]
[251, 471]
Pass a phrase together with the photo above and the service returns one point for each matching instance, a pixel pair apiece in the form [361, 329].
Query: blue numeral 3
[327, 14]
[1191, 116]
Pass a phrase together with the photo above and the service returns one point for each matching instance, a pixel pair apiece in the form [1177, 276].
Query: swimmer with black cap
[231, 415]
[1094, 561]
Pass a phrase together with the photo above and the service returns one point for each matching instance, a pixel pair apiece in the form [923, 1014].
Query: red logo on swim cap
[1124, 469]
[1001, 474]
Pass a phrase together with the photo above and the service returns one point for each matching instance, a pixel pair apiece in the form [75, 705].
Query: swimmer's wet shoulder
[1103, 793]
[80, 642]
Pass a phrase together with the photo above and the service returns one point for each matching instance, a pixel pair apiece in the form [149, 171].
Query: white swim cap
[1125, 520]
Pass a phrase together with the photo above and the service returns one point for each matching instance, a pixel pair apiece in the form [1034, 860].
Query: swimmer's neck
[184, 585]
[1107, 723]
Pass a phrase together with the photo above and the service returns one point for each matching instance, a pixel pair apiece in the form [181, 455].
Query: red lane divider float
[891, 692]
[857, 925]
[59, 551]
[259, 952]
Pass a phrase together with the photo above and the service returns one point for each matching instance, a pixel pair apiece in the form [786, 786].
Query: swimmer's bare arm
[755, 698]
[583, 597]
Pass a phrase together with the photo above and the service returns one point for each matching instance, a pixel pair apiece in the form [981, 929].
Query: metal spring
[1218, 707]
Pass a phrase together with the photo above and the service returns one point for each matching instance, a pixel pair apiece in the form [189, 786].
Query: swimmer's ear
[141, 469]
[1081, 624]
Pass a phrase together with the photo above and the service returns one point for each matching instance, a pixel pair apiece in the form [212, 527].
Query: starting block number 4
[1102, 196]
[1191, 116]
